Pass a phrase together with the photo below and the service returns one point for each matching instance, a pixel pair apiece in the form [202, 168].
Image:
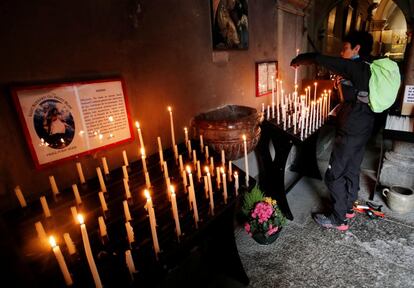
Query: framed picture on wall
[266, 75]
[65, 120]
[229, 24]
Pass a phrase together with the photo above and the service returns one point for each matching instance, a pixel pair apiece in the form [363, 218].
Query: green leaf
[251, 198]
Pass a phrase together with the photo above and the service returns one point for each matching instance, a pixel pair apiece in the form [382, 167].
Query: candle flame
[137, 124]
[169, 108]
[185, 129]
[206, 169]
[172, 189]
[143, 152]
[236, 174]
[222, 170]
[244, 137]
[111, 119]
[147, 194]
[315, 83]
[52, 241]
[80, 219]
[188, 168]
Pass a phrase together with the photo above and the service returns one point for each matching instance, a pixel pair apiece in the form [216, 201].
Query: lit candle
[224, 186]
[124, 155]
[212, 165]
[147, 180]
[180, 160]
[329, 101]
[103, 202]
[130, 263]
[125, 172]
[80, 172]
[246, 162]
[76, 193]
[101, 180]
[282, 102]
[186, 135]
[184, 176]
[198, 170]
[194, 158]
[141, 140]
[153, 222]
[218, 177]
[205, 186]
[102, 227]
[165, 170]
[176, 153]
[53, 185]
[223, 158]
[41, 232]
[168, 184]
[207, 156]
[201, 143]
[306, 121]
[74, 212]
[61, 261]
[172, 126]
[312, 113]
[88, 252]
[160, 152]
[210, 191]
[45, 207]
[189, 149]
[105, 166]
[192, 195]
[144, 163]
[268, 112]
[236, 182]
[273, 97]
[130, 233]
[314, 93]
[126, 211]
[69, 244]
[230, 171]
[175, 212]
[20, 197]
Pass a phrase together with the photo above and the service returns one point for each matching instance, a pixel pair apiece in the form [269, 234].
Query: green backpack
[384, 84]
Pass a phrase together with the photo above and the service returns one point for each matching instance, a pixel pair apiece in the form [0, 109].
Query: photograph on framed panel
[266, 75]
[65, 120]
[229, 24]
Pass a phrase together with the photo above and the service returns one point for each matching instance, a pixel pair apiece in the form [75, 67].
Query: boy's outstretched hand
[303, 59]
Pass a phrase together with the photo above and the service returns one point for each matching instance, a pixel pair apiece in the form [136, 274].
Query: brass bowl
[224, 127]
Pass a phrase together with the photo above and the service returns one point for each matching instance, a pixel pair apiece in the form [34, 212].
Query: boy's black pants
[355, 122]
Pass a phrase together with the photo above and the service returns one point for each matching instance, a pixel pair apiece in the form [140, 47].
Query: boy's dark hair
[361, 38]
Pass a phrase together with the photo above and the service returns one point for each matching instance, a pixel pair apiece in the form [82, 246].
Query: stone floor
[372, 253]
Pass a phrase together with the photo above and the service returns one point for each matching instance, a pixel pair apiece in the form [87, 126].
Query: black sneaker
[329, 222]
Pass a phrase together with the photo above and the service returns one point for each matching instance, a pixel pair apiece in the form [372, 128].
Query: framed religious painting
[65, 120]
[229, 24]
[266, 75]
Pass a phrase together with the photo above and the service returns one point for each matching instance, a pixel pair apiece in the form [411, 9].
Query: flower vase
[263, 240]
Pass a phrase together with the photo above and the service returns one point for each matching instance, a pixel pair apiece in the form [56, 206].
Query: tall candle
[80, 172]
[61, 261]
[205, 186]
[306, 121]
[53, 185]
[189, 148]
[101, 180]
[184, 176]
[141, 140]
[41, 232]
[102, 227]
[153, 222]
[224, 186]
[273, 97]
[180, 161]
[130, 263]
[20, 197]
[172, 126]
[103, 202]
[218, 177]
[194, 158]
[175, 211]
[192, 194]
[147, 180]
[165, 170]
[69, 244]
[210, 191]
[329, 101]
[160, 152]
[212, 165]
[201, 143]
[230, 171]
[88, 252]
[268, 112]
[76, 193]
[223, 158]
[130, 233]
[186, 135]
[246, 162]
[314, 93]
[74, 212]
[207, 156]
[143, 157]
[168, 184]
[236, 182]
[105, 166]
[124, 155]
[198, 170]
[282, 102]
[125, 172]
[45, 207]
[126, 211]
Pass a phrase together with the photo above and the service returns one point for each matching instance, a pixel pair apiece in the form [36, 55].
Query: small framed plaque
[266, 75]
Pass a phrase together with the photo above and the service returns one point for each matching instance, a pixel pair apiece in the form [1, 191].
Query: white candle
[105, 166]
[212, 165]
[80, 172]
[246, 162]
[184, 176]
[76, 193]
[153, 222]
[130, 233]
[268, 112]
[314, 93]
[223, 158]
[160, 152]
[210, 191]
[180, 160]
[186, 135]
[205, 186]
[147, 180]
[329, 101]
[101, 180]
[125, 172]
[312, 113]
[141, 140]
[175, 212]
[192, 195]
[124, 155]
[306, 121]
[230, 171]
[69, 244]
[176, 153]
[201, 143]
[45, 207]
[102, 227]
[165, 170]
[74, 212]
[207, 156]
[224, 186]
[41, 232]
[168, 184]
[172, 126]
[103, 202]
[277, 95]
[143, 157]
[236, 182]
[130, 263]
[61, 261]
[282, 102]
[53, 185]
[126, 188]
[273, 96]
[88, 252]
[20, 197]
[126, 211]
[198, 171]
[189, 149]
[218, 177]
[194, 158]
